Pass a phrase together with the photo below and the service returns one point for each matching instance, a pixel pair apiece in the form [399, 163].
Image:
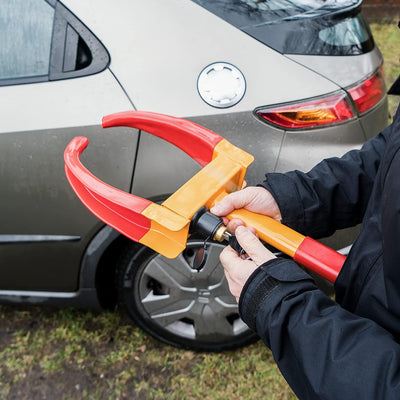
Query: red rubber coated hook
[121, 210]
[195, 140]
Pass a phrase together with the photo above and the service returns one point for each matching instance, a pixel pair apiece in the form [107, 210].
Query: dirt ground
[72, 354]
[81, 359]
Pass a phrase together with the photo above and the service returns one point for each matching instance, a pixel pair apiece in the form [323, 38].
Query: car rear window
[312, 27]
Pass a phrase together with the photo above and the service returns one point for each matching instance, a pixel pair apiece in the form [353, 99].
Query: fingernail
[215, 209]
[240, 229]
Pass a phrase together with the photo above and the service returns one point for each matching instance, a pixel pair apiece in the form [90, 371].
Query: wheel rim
[192, 304]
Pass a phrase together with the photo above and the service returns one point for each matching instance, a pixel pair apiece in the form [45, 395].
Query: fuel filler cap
[221, 85]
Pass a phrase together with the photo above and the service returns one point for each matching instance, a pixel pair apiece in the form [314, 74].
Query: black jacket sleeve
[323, 351]
[333, 195]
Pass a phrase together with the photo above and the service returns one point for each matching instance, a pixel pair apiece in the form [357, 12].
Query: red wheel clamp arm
[165, 227]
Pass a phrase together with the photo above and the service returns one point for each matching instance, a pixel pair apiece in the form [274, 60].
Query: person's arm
[323, 351]
[333, 195]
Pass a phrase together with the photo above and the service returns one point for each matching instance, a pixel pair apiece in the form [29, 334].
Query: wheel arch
[99, 265]
[100, 262]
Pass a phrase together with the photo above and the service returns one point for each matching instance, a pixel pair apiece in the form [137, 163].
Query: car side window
[41, 40]
[26, 28]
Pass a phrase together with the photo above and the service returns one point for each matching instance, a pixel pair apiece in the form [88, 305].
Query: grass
[64, 354]
[387, 36]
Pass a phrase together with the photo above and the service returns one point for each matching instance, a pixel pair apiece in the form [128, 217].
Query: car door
[55, 84]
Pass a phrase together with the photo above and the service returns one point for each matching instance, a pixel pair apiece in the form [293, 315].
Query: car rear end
[331, 38]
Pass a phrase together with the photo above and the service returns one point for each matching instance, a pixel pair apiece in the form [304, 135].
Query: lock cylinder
[205, 223]
[208, 224]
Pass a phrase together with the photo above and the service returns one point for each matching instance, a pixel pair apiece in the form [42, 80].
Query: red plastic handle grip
[319, 258]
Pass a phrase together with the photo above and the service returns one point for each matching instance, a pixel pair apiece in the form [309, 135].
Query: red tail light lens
[367, 94]
[308, 114]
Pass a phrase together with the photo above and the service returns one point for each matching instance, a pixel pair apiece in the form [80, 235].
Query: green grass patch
[81, 355]
[387, 36]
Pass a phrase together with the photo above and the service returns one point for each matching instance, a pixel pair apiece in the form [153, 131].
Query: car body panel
[37, 201]
[344, 71]
[374, 121]
[167, 167]
[160, 61]
[60, 104]
[87, 294]
[42, 219]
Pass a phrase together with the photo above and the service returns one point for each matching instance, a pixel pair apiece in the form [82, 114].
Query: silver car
[290, 82]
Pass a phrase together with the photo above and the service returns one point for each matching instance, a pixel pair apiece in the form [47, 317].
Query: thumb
[229, 203]
[252, 245]
[223, 207]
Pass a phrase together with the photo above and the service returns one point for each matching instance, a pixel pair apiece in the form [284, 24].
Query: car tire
[179, 305]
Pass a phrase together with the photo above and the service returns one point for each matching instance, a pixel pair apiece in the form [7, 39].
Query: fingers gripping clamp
[165, 227]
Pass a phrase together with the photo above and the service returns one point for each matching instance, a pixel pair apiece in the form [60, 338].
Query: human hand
[238, 270]
[253, 198]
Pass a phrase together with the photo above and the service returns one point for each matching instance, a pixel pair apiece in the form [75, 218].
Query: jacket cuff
[265, 283]
[262, 285]
[287, 196]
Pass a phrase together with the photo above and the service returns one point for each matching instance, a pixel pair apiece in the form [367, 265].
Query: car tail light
[368, 93]
[307, 114]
